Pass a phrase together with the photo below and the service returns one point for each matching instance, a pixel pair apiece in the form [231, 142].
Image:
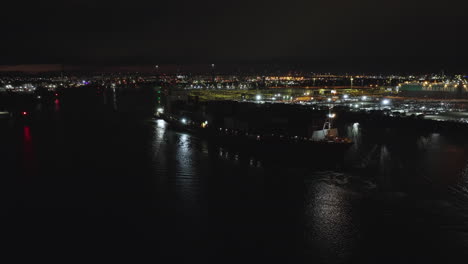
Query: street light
[258, 97]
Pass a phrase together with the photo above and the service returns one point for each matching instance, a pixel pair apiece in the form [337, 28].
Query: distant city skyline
[299, 67]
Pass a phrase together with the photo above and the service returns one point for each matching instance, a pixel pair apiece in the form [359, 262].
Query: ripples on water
[399, 196]
[402, 196]
[332, 226]
[186, 157]
[217, 196]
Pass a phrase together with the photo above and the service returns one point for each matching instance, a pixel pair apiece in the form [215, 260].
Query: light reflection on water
[57, 105]
[203, 183]
[114, 99]
[178, 157]
[332, 230]
[238, 158]
[173, 155]
[417, 176]
[397, 173]
[399, 157]
[186, 176]
[29, 159]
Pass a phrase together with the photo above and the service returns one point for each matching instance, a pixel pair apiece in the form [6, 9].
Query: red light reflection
[57, 105]
[27, 134]
[28, 151]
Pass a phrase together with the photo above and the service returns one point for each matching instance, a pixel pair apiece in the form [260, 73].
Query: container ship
[234, 133]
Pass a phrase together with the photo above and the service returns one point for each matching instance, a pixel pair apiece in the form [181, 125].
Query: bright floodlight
[160, 110]
[184, 121]
[364, 98]
[258, 97]
[329, 99]
[385, 101]
[345, 96]
[331, 115]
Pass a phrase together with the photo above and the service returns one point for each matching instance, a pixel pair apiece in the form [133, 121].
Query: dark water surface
[88, 182]
[402, 198]
[98, 184]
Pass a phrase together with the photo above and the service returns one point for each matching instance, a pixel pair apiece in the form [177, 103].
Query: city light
[184, 121]
[364, 98]
[345, 96]
[332, 115]
[160, 110]
[385, 101]
[258, 97]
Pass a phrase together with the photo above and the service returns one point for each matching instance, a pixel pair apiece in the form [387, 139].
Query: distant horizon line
[37, 68]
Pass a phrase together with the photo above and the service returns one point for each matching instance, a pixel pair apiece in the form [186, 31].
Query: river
[112, 184]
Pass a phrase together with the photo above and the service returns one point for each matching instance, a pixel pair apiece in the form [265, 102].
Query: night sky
[336, 35]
